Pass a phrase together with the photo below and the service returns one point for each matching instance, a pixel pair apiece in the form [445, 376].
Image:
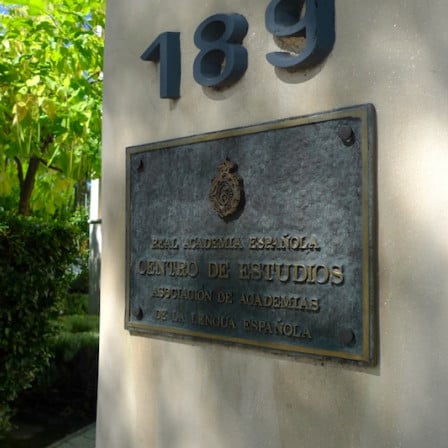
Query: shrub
[68, 386]
[79, 324]
[35, 262]
[80, 282]
[74, 303]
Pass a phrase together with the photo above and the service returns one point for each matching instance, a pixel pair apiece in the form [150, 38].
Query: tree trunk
[27, 184]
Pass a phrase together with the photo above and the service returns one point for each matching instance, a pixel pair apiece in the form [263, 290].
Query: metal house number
[222, 59]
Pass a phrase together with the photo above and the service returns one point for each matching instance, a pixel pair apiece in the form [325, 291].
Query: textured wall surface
[179, 395]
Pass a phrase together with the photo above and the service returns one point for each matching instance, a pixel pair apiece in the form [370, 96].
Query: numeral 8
[222, 60]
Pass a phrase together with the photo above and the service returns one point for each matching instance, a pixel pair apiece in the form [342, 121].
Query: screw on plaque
[347, 337]
[346, 135]
[141, 166]
[137, 312]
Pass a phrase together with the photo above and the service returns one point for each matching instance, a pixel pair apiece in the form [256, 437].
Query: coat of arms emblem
[226, 191]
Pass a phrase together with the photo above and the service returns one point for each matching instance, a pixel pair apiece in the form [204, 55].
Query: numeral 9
[283, 19]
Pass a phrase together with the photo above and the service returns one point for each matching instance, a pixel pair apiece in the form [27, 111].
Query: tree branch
[27, 186]
[52, 167]
[46, 142]
[19, 170]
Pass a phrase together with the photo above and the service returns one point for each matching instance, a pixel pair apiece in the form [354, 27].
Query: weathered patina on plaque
[260, 236]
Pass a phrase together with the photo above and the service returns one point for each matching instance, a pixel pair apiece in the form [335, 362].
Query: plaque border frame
[368, 144]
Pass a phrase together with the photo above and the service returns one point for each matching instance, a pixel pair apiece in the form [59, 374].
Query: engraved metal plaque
[260, 237]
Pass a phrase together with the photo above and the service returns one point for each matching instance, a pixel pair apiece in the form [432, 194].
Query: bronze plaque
[260, 237]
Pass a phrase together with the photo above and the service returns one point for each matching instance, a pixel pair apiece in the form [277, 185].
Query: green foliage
[76, 331]
[80, 283]
[79, 323]
[50, 99]
[35, 263]
[74, 303]
[68, 386]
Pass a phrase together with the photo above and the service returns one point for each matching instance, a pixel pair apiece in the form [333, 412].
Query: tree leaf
[20, 111]
[34, 81]
[50, 108]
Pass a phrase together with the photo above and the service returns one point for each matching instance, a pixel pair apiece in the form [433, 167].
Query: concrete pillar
[161, 393]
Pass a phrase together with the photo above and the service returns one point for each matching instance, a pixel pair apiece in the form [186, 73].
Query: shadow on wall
[94, 267]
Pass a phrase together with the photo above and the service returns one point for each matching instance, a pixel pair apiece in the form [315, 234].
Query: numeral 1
[166, 49]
